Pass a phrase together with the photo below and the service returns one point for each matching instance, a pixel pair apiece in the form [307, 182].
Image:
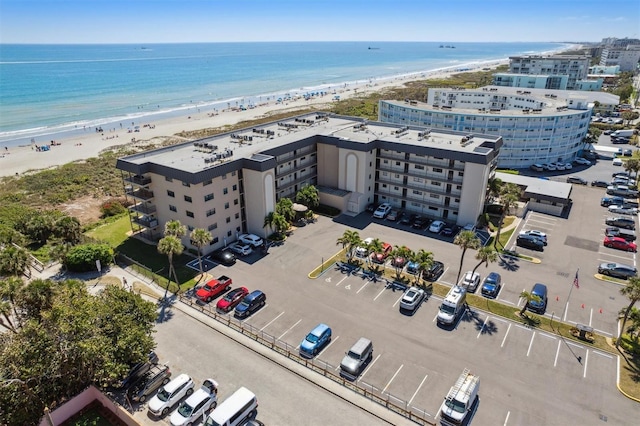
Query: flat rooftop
[253, 142]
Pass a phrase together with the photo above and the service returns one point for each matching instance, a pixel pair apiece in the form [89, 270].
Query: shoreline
[25, 137]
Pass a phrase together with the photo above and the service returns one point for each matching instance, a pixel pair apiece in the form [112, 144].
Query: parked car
[621, 222]
[241, 248]
[361, 251]
[471, 281]
[398, 261]
[231, 299]
[491, 285]
[148, 384]
[170, 394]
[407, 219]
[582, 161]
[568, 166]
[560, 166]
[537, 234]
[381, 256]
[411, 299]
[537, 167]
[600, 183]
[530, 242]
[224, 257]
[251, 303]
[412, 267]
[627, 153]
[252, 239]
[612, 231]
[315, 340]
[617, 270]
[550, 167]
[538, 306]
[194, 408]
[576, 179]
[395, 215]
[382, 211]
[435, 270]
[372, 207]
[138, 370]
[436, 226]
[620, 174]
[611, 201]
[449, 231]
[627, 211]
[620, 243]
[214, 288]
[420, 223]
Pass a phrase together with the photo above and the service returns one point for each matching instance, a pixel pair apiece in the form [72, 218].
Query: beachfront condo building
[574, 67]
[228, 183]
[626, 57]
[536, 125]
[553, 82]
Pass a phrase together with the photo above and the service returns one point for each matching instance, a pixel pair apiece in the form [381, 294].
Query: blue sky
[163, 21]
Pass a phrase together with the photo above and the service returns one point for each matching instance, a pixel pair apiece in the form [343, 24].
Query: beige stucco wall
[260, 196]
[474, 188]
[327, 165]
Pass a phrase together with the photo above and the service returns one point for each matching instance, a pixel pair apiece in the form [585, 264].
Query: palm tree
[528, 297]
[508, 199]
[465, 240]
[632, 291]
[14, 261]
[171, 246]
[485, 255]
[9, 290]
[494, 186]
[280, 224]
[175, 228]
[199, 238]
[425, 260]
[632, 165]
[308, 196]
[5, 311]
[269, 221]
[349, 241]
[403, 252]
[68, 229]
[375, 246]
[284, 207]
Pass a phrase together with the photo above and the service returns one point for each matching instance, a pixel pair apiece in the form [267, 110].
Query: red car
[620, 244]
[231, 299]
[213, 289]
[382, 256]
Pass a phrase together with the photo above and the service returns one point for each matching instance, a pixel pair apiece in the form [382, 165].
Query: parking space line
[397, 301]
[340, 282]
[500, 291]
[506, 420]
[603, 332]
[548, 336]
[363, 286]
[291, 328]
[368, 367]
[391, 380]
[482, 328]
[531, 343]
[602, 354]
[419, 386]
[586, 360]
[327, 346]
[272, 321]
[505, 336]
[381, 291]
[253, 315]
[555, 362]
[590, 317]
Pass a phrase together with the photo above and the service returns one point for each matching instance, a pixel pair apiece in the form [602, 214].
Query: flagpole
[566, 305]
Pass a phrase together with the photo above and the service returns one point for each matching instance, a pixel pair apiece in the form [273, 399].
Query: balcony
[144, 208]
[140, 194]
[146, 222]
[287, 170]
[138, 180]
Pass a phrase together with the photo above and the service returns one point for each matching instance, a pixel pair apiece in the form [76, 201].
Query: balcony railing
[139, 180]
[146, 222]
[144, 208]
[141, 193]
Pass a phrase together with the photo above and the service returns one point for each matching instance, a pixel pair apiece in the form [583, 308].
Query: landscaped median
[326, 264]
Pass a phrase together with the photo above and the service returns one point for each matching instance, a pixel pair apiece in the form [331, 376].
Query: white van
[452, 305]
[235, 410]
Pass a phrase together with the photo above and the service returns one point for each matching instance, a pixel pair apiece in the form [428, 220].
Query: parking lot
[415, 360]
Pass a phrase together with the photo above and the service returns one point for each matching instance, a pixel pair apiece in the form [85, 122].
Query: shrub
[323, 209]
[83, 258]
[112, 207]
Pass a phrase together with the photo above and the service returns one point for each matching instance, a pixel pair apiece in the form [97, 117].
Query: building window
[417, 192]
[237, 215]
[224, 176]
[228, 233]
[212, 227]
[417, 179]
[188, 199]
[418, 166]
[434, 183]
[397, 163]
[434, 196]
[173, 208]
[228, 219]
[237, 229]
[233, 173]
[235, 202]
[168, 179]
[211, 212]
[208, 197]
[226, 205]
[225, 191]
[207, 182]
[214, 241]
[235, 187]
[171, 194]
[461, 174]
[189, 214]
[186, 184]
[190, 228]
[437, 170]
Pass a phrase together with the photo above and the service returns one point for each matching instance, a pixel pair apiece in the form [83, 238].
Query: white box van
[235, 410]
[452, 305]
[460, 400]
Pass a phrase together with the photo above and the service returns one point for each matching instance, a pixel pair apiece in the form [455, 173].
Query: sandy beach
[26, 159]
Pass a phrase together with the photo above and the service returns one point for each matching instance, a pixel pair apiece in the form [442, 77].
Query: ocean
[52, 90]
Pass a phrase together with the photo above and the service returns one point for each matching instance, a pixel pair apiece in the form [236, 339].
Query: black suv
[139, 370]
[530, 242]
[621, 222]
[436, 269]
[148, 384]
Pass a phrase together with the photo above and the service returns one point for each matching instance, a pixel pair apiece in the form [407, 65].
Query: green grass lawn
[114, 233]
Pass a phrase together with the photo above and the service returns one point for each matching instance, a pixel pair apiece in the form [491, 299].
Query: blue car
[315, 340]
[412, 267]
[491, 285]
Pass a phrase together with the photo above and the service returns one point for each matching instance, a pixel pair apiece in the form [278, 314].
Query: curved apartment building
[536, 125]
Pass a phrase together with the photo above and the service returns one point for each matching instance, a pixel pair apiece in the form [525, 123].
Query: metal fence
[383, 398]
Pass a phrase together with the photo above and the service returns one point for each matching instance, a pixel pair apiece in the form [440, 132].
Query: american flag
[575, 281]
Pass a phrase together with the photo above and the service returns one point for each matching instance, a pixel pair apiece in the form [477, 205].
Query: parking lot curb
[341, 392]
[620, 389]
[604, 278]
